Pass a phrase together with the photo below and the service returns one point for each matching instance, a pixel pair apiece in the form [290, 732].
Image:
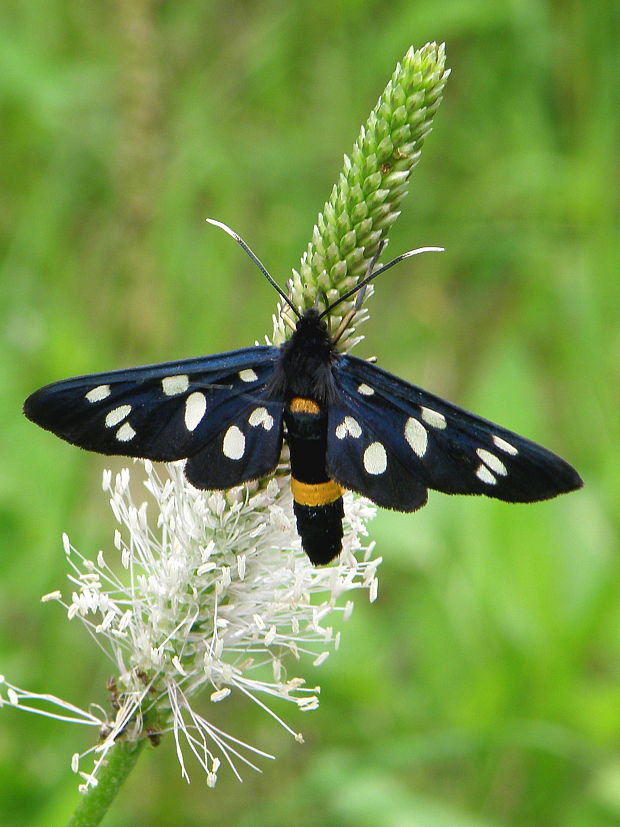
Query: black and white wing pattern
[211, 409]
[390, 441]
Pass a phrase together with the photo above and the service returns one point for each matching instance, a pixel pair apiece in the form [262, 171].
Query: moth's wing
[359, 453]
[437, 444]
[172, 411]
[247, 447]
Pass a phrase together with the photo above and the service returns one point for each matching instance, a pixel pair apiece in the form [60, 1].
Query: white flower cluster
[207, 593]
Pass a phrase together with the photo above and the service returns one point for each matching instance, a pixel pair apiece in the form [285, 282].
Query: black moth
[348, 424]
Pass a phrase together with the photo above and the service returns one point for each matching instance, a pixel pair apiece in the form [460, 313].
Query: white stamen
[193, 614]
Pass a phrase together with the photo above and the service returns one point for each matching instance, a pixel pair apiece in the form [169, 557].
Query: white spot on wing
[261, 416]
[195, 407]
[117, 415]
[248, 375]
[375, 458]
[416, 436]
[348, 427]
[485, 475]
[433, 418]
[125, 432]
[494, 463]
[234, 443]
[504, 446]
[172, 385]
[365, 389]
[98, 393]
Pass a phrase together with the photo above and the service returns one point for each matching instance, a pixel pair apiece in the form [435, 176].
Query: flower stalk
[366, 201]
[93, 806]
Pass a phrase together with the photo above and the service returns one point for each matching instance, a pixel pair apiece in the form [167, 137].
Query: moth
[348, 423]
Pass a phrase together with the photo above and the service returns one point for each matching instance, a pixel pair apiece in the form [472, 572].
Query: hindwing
[246, 448]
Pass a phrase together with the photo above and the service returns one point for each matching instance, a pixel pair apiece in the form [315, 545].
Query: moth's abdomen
[317, 500]
[320, 529]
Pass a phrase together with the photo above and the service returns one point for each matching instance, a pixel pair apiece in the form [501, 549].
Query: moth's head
[311, 331]
[310, 321]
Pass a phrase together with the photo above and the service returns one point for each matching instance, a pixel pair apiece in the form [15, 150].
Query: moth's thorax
[311, 338]
[305, 365]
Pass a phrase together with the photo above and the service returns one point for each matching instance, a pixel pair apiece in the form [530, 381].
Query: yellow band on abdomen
[318, 493]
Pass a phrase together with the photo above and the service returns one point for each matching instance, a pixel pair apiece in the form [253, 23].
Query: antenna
[362, 284]
[256, 261]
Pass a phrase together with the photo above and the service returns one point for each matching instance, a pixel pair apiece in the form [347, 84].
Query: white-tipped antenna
[256, 261]
[378, 272]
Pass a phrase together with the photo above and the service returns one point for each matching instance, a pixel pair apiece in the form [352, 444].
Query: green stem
[96, 802]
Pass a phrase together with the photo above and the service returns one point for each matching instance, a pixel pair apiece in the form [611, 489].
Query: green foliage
[483, 687]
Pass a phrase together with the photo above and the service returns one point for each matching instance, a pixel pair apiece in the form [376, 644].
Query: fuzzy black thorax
[305, 364]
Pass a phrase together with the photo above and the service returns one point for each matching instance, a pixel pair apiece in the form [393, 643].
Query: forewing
[170, 411]
[440, 445]
[247, 446]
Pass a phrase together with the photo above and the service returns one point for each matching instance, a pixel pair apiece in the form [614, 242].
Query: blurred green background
[483, 687]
